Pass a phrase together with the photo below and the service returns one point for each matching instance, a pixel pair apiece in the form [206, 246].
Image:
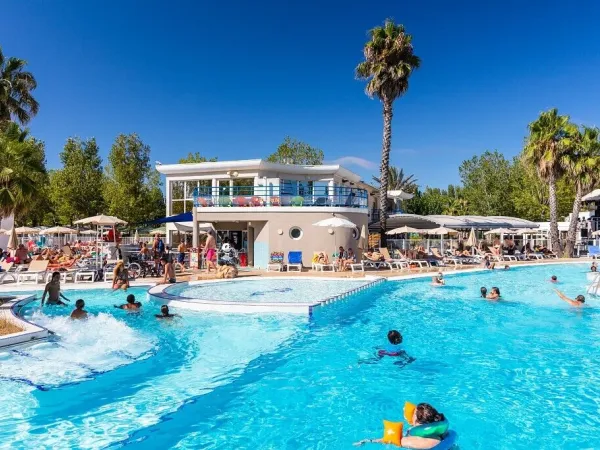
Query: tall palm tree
[20, 167]
[581, 163]
[548, 139]
[397, 181]
[16, 86]
[389, 62]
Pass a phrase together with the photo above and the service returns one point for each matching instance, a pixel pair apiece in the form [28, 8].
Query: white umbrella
[136, 236]
[363, 242]
[158, 231]
[441, 231]
[404, 229]
[399, 195]
[101, 220]
[27, 230]
[472, 240]
[335, 222]
[499, 231]
[12, 240]
[58, 230]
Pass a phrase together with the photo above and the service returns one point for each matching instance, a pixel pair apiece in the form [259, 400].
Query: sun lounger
[320, 266]
[375, 264]
[35, 270]
[275, 262]
[294, 261]
[7, 272]
[356, 267]
[399, 264]
[593, 251]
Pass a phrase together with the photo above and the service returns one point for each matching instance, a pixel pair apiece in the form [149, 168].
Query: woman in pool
[120, 276]
[438, 280]
[424, 414]
[494, 294]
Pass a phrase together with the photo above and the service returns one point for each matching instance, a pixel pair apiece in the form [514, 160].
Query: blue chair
[593, 251]
[295, 260]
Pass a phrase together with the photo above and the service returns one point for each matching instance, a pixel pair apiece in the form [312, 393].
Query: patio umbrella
[472, 240]
[27, 230]
[136, 236]
[404, 229]
[12, 240]
[363, 243]
[441, 231]
[158, 231]
[335, 222]
[58, 230]
[499, 231]
[101, 220]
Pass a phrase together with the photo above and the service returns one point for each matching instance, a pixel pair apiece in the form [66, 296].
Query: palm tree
[398, 182]
[581, 164]
[16, 85]
[548, 138]
[389, 62]
[20, 168]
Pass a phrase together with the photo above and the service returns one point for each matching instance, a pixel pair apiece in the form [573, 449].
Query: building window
[296, 233]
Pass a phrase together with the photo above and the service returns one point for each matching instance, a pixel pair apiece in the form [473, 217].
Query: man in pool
[494, 294]
[594, 267]
[131, 304]
[438, 280]
[553, 279]
[165, 314]
[578, 301]
[483, 291]
[79, 312]
[53, 291]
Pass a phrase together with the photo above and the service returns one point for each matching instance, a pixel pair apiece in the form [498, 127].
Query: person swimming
[553, 279]
[424, 414]
[483, 291]
[79, 312]
[507, 267]
[438, 280]
[393, 348]
[53, 291]
[578, 301]
[164, 313]
[131, 304]
[494, 294]
[594, 267]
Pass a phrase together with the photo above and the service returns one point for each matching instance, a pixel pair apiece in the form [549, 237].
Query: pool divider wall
[31, 332]
[157, 293]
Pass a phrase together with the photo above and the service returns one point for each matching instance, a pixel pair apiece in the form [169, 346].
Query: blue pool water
[266, 290]
[523, 373]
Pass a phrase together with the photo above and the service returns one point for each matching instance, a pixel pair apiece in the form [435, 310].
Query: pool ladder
[595, 285]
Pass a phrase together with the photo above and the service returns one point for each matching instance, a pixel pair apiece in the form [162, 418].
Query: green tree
[132, 189]
[429, 201]
[16, 86]
[389, 62]
[398, 181]
[485, 181]
[193, 158]
[76, 189]
[581, 162]
[22, 166]
[292, 151]
[548, 137]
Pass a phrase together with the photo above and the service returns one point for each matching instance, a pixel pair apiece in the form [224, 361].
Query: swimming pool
[519, 374]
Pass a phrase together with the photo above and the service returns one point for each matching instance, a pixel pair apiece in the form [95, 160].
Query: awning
[457, 222]
[592, 196]
[183, 217]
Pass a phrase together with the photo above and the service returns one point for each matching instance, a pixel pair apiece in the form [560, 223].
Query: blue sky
[231, 79]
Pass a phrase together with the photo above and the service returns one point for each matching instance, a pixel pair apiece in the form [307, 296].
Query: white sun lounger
[7, 272]
[35, 271]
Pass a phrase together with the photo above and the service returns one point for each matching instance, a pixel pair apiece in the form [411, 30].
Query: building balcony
[275, 196]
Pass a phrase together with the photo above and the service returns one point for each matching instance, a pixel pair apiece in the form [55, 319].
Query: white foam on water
[84, 348]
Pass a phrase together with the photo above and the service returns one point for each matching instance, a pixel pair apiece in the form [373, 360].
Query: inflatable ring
[447, 442]
[436, 429]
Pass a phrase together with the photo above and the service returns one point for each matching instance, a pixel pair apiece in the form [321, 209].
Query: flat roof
[479, 222]
[256, 165]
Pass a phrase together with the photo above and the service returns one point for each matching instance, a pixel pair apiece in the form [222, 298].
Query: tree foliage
[398, 181]
[76, 189]
[133, 189]
[292, 151]
[16, 86]
[22, 169]
[389, 60]
[196, 157]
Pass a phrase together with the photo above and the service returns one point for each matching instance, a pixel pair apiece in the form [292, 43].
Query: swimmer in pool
[53, 291]
[393, 348]
[79, 312]
[165, 314]
[594, 267]
[438, 280]
[483, 291]
[494, 294]
[553, 279]
[131, 304]
[578, 301]
[507, 267]
[424, 414]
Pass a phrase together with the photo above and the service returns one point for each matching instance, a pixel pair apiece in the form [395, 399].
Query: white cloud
[355, 161]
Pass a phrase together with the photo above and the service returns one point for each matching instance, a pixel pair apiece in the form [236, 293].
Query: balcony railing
[275, 196]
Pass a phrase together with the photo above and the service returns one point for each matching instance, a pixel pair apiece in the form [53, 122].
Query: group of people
[341, 259]
[56, 297]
